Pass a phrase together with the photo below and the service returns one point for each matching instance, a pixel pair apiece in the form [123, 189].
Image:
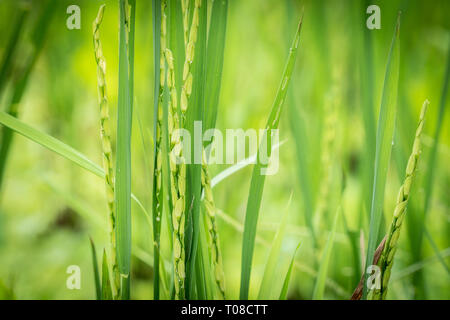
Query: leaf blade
[257, 183]
[385, 133]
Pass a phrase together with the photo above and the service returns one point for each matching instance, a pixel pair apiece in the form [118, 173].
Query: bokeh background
[49, 206]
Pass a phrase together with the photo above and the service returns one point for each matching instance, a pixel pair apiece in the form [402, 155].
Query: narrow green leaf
[385, 134]
[436, 251]
[432, 162]
[106, 281]
[214, 61]
[58, 147]
[437, 134]
[130, 51]
[297, 124]
[193, 114]
[98, 289]
[353, 238]
[284, 289]
[319, 287]
[50, 143]
[366, 74]
[257, 183]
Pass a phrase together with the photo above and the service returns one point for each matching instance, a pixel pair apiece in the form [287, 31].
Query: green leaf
[270, 275]
[385, 134]
[257, 183]
[193, 181]
[297, 124]
[156, 18]
[106, 281]
[175, 33]
[284, 289]
[214, 61]
[50, 143]
[58, 147]
[432, 163]
[366, 74]
[98, 289]
[130, 49]
[319, 287]
[123, 156]
[437, 134]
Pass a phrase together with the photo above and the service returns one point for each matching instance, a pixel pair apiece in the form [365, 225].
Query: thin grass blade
[50, 143]
[257, 183]
[319, 287]
[285, 288]
[98, 289]
[214, 61]
[195, 113]
[123, 157]
[269, 276]
[7, 61]
[106, 281]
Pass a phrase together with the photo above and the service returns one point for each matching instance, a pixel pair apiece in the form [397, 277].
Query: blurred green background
[49, 207]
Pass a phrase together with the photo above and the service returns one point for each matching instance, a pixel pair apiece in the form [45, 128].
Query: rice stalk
[177, 181]
[105, 138]
[186, 91]
[387, 256]
[319, 287]
[177, 162]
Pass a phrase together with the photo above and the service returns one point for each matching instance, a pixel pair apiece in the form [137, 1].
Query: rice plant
[387, 256]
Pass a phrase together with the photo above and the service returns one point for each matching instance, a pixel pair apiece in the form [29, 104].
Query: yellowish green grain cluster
[387, 256]
[212, 228]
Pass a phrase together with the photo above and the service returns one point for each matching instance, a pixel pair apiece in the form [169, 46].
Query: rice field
[224, 149]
